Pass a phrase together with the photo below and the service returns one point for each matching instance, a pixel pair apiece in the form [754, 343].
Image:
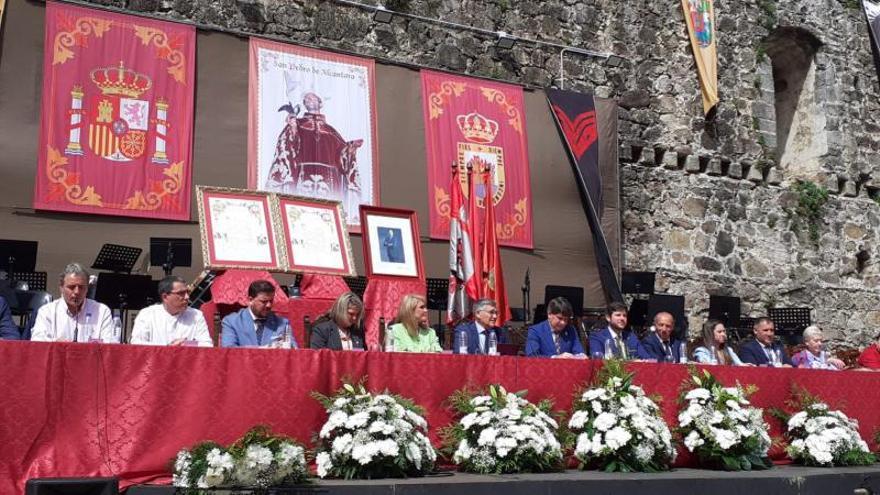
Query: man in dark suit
[341, 329]
[622, 342]
[555, 337]
[761, 349]
[660, 344]
[8, 329]
[477, 334]
[256, 325]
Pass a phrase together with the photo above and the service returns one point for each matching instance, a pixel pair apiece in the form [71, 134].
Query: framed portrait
[237, 230]
[391, 242]
[315, 238]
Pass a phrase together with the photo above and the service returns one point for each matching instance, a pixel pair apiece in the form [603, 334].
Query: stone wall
[706, 204]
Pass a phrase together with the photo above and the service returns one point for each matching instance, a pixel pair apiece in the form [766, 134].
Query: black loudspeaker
[575, 296]
[72, 486]
[670, 304]
[637, 283]
[638, 313]
[725, 309]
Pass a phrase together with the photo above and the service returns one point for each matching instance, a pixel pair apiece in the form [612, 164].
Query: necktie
[667, 351]
[557, 340]
[260, 324]
[620, 347]
[485, 341]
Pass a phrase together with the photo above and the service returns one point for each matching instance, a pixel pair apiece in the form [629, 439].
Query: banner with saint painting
[312, 125]
[117, 115]
[477, 123]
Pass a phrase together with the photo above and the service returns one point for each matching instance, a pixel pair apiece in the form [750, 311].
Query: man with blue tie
[762, 349]
[555, 337]
[659, 345]
[622, 343]
[478, 334]
[256, 325]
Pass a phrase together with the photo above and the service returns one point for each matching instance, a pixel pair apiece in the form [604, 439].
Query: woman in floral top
[814, 356]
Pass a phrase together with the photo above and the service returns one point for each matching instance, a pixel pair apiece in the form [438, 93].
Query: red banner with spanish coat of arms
[479, 123]
[117, 115]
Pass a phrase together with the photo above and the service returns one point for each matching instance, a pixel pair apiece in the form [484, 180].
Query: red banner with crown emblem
[117, 115]
[482, 124]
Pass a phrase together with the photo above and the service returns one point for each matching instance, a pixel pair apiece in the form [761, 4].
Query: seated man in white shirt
[73, 317]
[172, 322]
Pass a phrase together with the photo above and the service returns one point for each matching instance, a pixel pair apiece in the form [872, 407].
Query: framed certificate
[391, 242]
[237, 230]
[314, 235]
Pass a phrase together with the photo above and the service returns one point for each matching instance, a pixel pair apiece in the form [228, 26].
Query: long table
[123, 410]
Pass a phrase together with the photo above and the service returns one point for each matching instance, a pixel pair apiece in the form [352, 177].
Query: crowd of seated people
[75, 318]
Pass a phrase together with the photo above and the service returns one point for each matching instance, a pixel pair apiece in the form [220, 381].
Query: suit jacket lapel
[249, 331]
[334, 341]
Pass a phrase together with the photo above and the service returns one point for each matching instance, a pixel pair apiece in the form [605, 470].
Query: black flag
[575, 117]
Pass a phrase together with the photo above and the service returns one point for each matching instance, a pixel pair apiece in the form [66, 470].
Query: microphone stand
[168, 266]
[526, 292]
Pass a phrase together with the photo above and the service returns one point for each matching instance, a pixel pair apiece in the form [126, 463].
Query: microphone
[527, 283]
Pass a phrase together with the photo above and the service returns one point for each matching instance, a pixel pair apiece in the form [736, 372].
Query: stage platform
[781, 480]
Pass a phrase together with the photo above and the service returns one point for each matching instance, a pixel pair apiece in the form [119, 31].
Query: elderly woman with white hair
[815, 356]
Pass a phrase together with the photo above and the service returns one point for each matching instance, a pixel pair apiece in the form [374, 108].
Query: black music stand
[741, 329]
[791, 322]
[34, 280]
[725, 309]
[124, 291]
[170, 252]
[638, 282]
[358, 285]
[671, 304]
[437, 295]
[638, 314]
[574, 295]
[17, 257]
[117, 258]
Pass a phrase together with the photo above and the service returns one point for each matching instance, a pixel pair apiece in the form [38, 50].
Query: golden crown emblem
[476, 128]
[120, 81]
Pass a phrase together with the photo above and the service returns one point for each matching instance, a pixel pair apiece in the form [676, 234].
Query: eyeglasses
[491, 311]
[561, 317]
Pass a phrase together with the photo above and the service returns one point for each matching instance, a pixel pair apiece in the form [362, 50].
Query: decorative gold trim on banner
[436, 100]
[77, 31]
[514, 221]
[73, 192]
[167, 50]
[495, 96]
[160, 189]
[442, 202]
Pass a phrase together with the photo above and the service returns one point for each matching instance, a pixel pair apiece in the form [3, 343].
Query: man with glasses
[615, 340]
[172, 322]
[556, 337]
[479, 333]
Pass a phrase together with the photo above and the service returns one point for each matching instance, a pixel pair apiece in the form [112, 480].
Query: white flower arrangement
[259, 459]
[372, 436]
[820, 437]
[721, 427]
[502, 432]
[618, 427]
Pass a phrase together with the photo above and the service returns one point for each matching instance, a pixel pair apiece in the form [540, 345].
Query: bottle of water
[777, 360]
[609, 349]
[683, 353]
[289, 343]
[493, 344]
[389, 342]
[117, 327]
[462, 343]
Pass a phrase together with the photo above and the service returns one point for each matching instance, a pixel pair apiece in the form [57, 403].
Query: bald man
[660, 344]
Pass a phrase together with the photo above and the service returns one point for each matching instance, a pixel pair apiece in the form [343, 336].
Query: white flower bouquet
[618, 427]
[372, 436]
[259, 460]
[721, 427]
[502, 432]
[820, 437]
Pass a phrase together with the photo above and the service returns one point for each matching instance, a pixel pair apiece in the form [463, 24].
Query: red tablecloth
[105, 410]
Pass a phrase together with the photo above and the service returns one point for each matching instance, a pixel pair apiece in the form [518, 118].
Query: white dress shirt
[156, 326]
[54, 322]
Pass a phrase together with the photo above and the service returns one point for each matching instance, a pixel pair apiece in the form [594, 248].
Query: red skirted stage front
[111, 410]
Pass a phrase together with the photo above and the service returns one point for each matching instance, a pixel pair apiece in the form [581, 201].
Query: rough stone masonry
[711, 205]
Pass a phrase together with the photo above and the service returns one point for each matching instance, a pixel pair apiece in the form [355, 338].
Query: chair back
[382, 333]
[307, 327]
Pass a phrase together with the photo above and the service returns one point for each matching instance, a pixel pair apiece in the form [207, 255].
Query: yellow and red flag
[117, 115]
[700, 18]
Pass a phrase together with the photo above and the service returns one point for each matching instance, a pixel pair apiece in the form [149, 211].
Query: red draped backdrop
[110, 410]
